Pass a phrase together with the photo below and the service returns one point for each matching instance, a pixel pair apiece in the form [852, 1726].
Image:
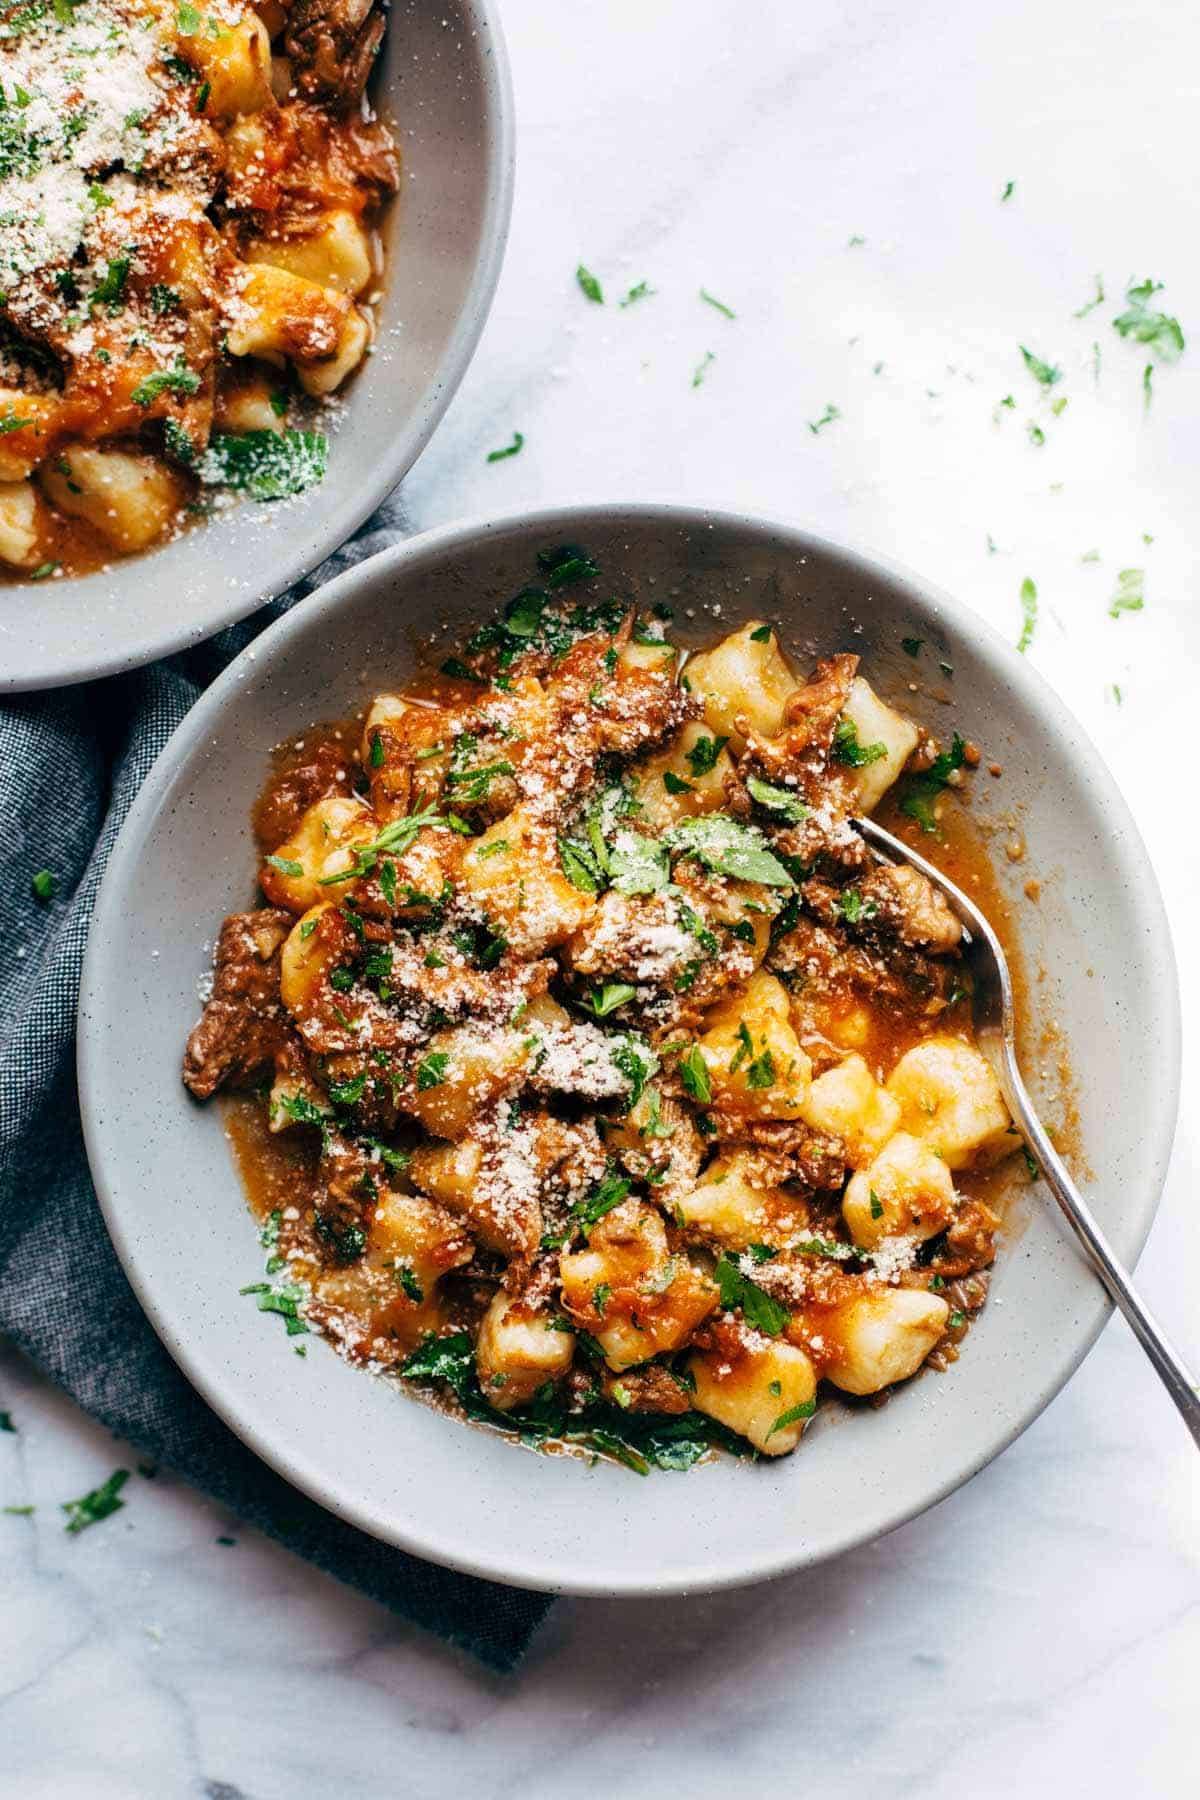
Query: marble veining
[1039, 1632]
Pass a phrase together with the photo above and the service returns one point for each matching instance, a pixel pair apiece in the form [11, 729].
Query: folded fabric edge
[424, 1594]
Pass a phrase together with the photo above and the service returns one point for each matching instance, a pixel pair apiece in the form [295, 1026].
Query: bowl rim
[434, 546]
[361, 498]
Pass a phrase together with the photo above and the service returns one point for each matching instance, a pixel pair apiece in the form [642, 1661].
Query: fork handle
[1172, 1370]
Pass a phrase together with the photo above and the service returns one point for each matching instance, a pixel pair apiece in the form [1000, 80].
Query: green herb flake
[1130, 595]
[693, 1073]
[793, 1415]
[1142, 324]
[513, 449]
[911, 646]
[43, 885]
[921, 792]
[728, 847]
[777, 799]
[711, 300]
[579, 865]
[1008, 191]
[431, 1070]
[1046, 374]
[641, 290]
[1029, 614]
[700, 372]
[609, 998]
[179, 380]
[589, 285]
[816, 426]
[638, 865]
[266, 465]
[110, 289]
[761, 1311]
[847, 749]
[704, 753]
[285, 865]
[101, 1503]
[1091, 305]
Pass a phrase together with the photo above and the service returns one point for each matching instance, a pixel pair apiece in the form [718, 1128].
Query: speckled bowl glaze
[442, 80]
[460, 1495]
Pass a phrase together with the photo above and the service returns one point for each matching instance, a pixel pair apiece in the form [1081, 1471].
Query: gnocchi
[171, 335]
[621, 1133]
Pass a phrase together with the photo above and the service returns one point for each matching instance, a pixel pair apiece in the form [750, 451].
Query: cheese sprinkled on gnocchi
[187, 259]
[600, 1082]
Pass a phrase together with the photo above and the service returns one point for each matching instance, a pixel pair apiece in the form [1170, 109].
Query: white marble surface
[1038, 1633]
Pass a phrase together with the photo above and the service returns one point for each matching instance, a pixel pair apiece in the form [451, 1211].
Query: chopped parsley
[431, 1070]
[922, 791]
[816, 426]
[513, 449]
[1141, 323]
[43, 885]
[1091, 305]
[793, 1415]
[847, 749]
[1029, 614]
[761, 1311]
[1046, 374]
[638, 1441]
[179, 380]
[589, 285]
[110, 289]
[1129, 595]
[704, 753]
[641, 290]
[777, 799]
[580, 866]
[852, 907]
[267, 465]
[693, 1073]
[285, 1300]
[609, 998]
[99, 1504]
[701, 369]
[638, 865]
[564, 565]
[728, 847]
[711, 300]
[286, 865]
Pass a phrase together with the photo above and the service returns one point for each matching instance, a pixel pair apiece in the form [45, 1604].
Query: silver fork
[995, 1030]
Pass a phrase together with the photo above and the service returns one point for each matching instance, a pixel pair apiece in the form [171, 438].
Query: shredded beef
[243, 1024]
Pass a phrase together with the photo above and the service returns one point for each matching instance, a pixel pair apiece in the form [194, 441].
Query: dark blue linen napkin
[71, 762]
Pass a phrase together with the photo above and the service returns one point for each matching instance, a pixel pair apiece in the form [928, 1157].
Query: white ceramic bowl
[460, 1495]
[442, 80]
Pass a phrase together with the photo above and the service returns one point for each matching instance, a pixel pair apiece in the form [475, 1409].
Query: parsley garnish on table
[99, 1504]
